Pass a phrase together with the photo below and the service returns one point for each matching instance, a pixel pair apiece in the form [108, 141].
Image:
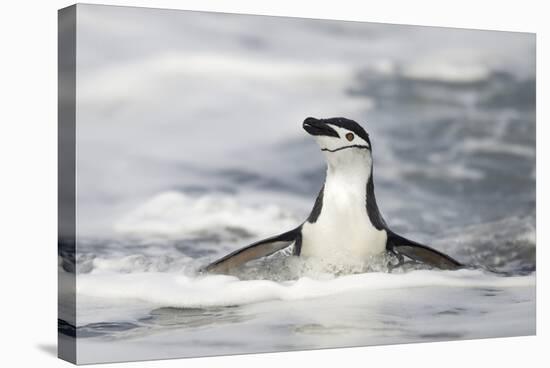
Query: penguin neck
[350, 169]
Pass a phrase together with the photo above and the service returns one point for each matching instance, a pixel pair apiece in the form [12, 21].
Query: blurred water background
[189, 145]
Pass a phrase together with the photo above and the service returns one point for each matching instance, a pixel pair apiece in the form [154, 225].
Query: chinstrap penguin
[345, 223]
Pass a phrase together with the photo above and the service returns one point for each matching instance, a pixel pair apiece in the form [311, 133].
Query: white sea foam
[446, 72]
[496, 146]
[227, 70]
[175, 213]
[177, 290]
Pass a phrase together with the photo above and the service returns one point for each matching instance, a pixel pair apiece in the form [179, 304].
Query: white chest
[343, 231]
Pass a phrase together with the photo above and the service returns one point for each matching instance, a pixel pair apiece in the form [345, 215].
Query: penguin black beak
[318, 127]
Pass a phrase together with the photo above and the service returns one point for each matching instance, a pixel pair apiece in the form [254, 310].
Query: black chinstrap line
[341, 148]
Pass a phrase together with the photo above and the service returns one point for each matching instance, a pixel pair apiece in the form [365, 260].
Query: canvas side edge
[66, 186]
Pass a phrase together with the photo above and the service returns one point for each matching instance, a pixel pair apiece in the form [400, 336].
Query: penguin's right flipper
[421, 253]
[253, 251]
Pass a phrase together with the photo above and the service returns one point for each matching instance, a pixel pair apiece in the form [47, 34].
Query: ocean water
[189, 146]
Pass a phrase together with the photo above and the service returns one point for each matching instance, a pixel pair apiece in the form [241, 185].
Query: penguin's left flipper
[421, 253]
[253, 251]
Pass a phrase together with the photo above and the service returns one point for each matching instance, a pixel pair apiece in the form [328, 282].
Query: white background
[28, 180]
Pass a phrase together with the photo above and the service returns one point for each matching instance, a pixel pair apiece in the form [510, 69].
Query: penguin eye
[350, 136]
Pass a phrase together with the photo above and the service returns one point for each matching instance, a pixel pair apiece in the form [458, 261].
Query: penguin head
[337, 135]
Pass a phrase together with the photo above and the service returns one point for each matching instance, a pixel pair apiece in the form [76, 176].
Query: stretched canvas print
[234, 184]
